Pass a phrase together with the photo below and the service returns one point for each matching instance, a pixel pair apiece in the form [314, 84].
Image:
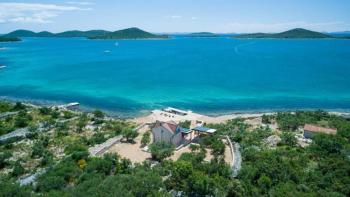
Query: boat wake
[238, 47]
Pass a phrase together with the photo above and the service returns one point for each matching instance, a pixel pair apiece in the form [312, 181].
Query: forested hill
[9, 39]
[74, 33]
[130, 33]
[290, 34]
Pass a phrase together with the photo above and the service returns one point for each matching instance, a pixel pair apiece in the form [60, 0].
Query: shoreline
[143, 115]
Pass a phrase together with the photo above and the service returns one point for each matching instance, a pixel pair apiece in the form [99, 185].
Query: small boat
[107, 51]
[116, 44]
[2, 67]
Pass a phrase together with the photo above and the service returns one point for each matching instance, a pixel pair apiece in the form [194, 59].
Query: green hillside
[9, 39]
[21, 33]
[290, 34]
[76, 33]
[130, 33]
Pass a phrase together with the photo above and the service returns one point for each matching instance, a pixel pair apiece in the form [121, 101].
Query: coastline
[144, 115]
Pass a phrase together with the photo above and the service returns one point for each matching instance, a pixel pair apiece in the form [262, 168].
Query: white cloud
[278, 27]
[79, 3]
[33, 12]
[194, 18]
[175, 17]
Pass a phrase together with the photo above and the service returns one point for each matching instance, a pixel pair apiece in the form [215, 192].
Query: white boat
[2, 67]
[116, 44]
[107, 51]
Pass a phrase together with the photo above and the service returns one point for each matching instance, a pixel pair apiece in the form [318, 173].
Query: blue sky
[175, 15]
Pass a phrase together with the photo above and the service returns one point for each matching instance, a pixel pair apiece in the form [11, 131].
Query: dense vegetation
[130, 33]
[294, 33]
[75, 33]
[320, 169]
[9, 39]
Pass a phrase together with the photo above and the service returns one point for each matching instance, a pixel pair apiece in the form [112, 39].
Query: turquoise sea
[208, 75]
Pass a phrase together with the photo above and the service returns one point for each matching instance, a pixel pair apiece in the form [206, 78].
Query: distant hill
[76, 33]
[130, 33]
[9, 39]
[290, 34]
[21, 33]
[202, 34]
[343, 34]
[45, 34]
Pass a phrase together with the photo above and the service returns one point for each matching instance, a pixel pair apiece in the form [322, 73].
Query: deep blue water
[210, 75]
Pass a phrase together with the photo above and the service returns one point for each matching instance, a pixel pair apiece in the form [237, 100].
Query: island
[297, 33]
[77, 33]
[73, 33]
[130, 33]
[9, 39]
[202, 34]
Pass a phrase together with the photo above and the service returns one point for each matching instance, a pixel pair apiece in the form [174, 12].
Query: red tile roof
[171, 125]
[318, 129]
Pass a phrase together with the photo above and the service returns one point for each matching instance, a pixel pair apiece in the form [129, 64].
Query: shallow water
[208, 75]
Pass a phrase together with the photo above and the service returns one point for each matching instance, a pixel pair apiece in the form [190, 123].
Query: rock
[272, 140]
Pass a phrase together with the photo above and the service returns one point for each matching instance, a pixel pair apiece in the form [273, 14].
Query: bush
[146, 138]
[129, 134]
[17, 169]
[185, 124]
[3, 159]
[44, 111]
[98, 114]
[38, 149]
[161, 150]
[18, 106]
[288, 138]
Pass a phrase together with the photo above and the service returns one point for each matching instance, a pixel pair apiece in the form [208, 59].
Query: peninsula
[202, 34]
[73, 33]
[9, 39]
[130, 33]
[290, 34]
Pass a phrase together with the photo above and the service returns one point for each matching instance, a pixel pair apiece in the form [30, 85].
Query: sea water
[208, 75]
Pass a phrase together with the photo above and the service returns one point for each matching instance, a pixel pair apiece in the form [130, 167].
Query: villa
[310, 130]
[173, 133]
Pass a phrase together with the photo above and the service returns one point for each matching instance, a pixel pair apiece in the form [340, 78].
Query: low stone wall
[236, 156]
[238, 160]
[101, 148]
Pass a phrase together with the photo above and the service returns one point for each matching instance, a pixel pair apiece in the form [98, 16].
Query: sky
[170, 16]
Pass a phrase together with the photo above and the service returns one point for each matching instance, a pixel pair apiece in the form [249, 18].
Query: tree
[146, 138]
[264, 183]
[129, 134]
[38, 149]
[161, 150]
[288, 138]
[185, 124]
[19, 106]
[218, 147]
[266, 119]
[17, 169]
[98, 114]
[12, 189]
[3, 158]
